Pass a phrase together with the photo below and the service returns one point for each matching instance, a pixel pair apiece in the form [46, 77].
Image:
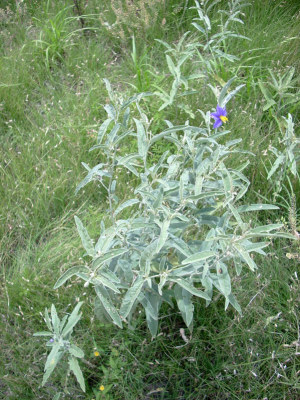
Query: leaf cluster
[60, 332]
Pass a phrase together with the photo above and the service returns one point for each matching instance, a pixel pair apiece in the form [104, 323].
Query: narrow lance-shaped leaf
[224, 279]
[163, 235]
[43, 333]
[108, 305]
[102, 280]
[131, 296]
[142, 139]
[47, 320]
[224, 91]
[108, 256]
[85, 238]
[190, 288]
[256, 207]
[69, 273]
[185, 305]
[51, 362]
[72, 320]
[126, 204]
[76, 351]
[55, 320]
[246, 257]
[102, 130]
[231, 94]
[197, 257]
[75, 368]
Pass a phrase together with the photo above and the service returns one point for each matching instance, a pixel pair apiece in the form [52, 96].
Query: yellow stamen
[223, 118]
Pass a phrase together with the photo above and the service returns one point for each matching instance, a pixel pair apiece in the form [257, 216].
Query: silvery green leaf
[63, 322]
[207, 283]
[227, 56]
[232, 300]
[223, 278]
[57, 396]
[224, 91]
[53, 357]
[212, 4]
[180, 245]
[190, 288]
[256, 207]
[85, 238]
[55, 320]
[43, 333]
[269, 104]
[111, 111]
[198, 257]
[257, 247]
[90, 176]
[108, 256]
[47, 320]
[69, 273]
[102, 130]
[146, 256]
[183, 271]
[171, 130]
[160, 162]
[101, 280]
[266, 93]
[150, 310]
[72, 320]
[163, 235]
[110, 275]
[185, 305]
[131, 296]
[134, 98]
[52, 360]
[75, 368]
[230, 95]
[162, 282]
[265, 228]
[171, 66]
[108, 305]
[109, 89]
[76, 351]
[168, 47]
[101, 313]
[142, 139]
[126, 204]
[246, 257]
[205, 195]
[236, 215]
[159, 198]
[113, 133]
[128, 162]
[198, 27]
[152, 322]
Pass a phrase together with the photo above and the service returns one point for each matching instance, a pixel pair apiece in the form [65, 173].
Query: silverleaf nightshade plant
[182, 235]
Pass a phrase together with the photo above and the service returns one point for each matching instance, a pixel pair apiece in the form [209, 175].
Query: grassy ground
[51, 104]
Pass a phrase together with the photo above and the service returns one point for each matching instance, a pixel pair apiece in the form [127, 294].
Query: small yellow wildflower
[101, 388]
[96, 353]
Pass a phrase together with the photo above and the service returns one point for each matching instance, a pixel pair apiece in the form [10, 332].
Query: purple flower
[219, 116]
[51, 340]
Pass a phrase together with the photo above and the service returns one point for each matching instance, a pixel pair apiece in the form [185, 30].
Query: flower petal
[215, 115]
[220, 110]
[218, 123]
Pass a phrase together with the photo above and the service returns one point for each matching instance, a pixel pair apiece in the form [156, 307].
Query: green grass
[49, 117]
